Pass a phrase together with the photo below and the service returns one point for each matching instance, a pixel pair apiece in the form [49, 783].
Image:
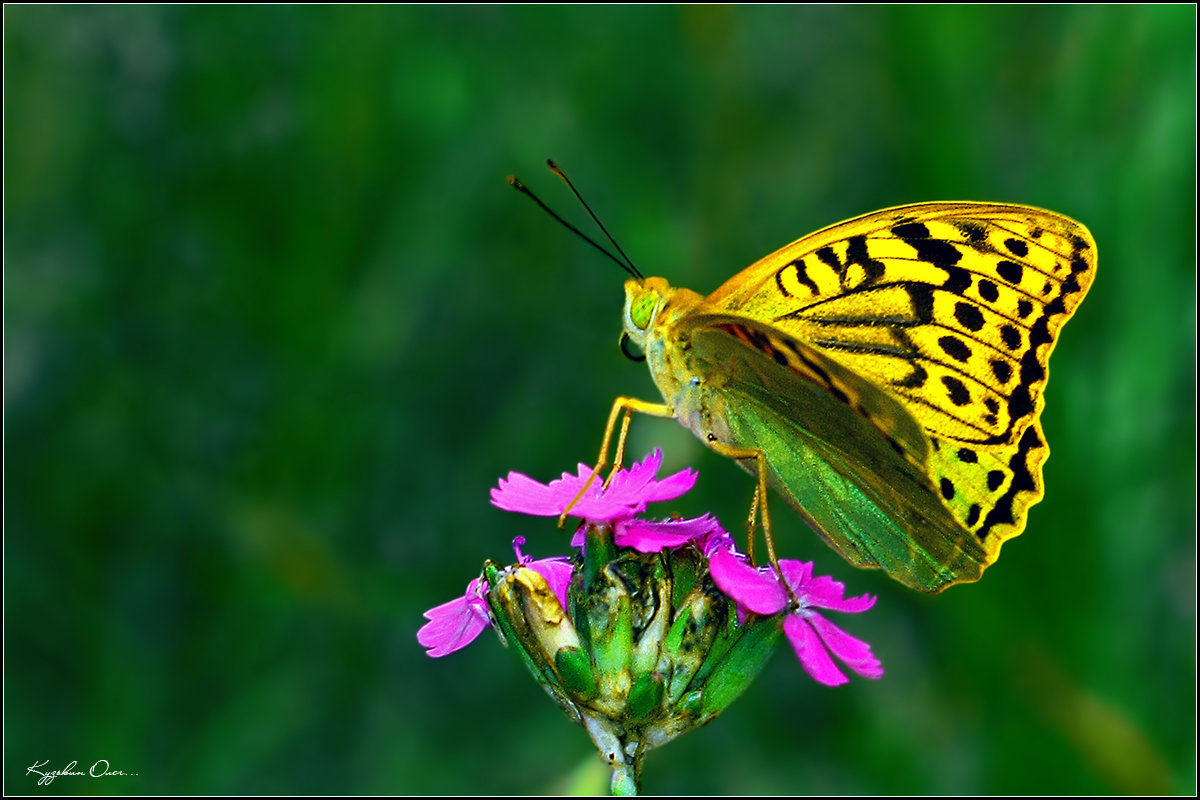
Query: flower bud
[647, 649]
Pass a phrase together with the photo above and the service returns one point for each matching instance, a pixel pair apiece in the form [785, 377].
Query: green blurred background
[275, 324]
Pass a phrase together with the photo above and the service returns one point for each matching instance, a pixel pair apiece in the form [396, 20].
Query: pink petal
[636, 486]
[811, 652]
[579, 537]
[597, 503]
[854, 653]
[646, 536]
[565, 488]
[637, 477]
[671, 486]
[639, 481]
[523, 494]
[627, 494]
[797, 574]
[454, 625]
[757, 589]
[825, 592]
[606, 508]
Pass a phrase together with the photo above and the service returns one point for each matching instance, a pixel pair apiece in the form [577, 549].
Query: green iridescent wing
[840, 451]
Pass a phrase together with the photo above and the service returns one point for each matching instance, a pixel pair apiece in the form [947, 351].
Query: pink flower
[455, 624]
[626, 496]
[813, 637]
[648, 536]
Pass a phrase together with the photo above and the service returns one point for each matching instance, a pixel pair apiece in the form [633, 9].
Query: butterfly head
[652, 306]
[644, 300]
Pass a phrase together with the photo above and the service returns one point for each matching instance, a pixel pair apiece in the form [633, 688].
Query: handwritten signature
[99, 770]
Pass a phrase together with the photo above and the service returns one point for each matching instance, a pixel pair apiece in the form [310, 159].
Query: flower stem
[624, 782]
[626, 766]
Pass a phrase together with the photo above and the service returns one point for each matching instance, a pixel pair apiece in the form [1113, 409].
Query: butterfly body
[888, 369]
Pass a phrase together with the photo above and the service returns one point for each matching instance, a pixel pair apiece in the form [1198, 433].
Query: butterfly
[884, 375]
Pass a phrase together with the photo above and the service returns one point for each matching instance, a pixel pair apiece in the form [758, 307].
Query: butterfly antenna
[520, 187]
[558, 171]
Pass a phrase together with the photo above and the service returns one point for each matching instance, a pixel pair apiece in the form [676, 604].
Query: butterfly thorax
[657, 319]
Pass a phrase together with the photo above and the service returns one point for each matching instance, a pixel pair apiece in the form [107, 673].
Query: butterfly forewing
[952, 309]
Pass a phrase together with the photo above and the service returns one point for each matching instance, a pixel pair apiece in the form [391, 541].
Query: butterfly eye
[641, 311]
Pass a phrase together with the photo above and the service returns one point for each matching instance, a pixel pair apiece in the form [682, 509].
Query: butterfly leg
[750, 524]
[626, 405]
[758, 506]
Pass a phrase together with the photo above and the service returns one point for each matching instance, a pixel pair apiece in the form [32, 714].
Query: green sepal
[599, 549]
[685, 565]
[610, 622]
[575, 668]
[741, 663]
[645, 696]
[730, 632]
[691, 638]
[506, 614]
[691, 703]
[651, 612]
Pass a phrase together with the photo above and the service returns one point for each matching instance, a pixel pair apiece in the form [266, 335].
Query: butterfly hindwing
[843, 453]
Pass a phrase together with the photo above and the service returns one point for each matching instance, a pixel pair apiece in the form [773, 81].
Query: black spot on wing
[957, 393]
[1022, 481]
[1024, 309]
[1010, 271]
[993, 407]
[779, 281]
[969, 316]
[958, 280]
[954, 347]
[1001, 369]
[1020, 403]
[1010, 336]
[975, 233]
[856, 253]
[967, 456]
[910, 230]
[1079, 263]
[935, 251]
[830, 259]
[988, 290]
[947, 487]
[915, 379]
[1017, 247]
[1031, 371]
[801, 277]
[921, 296]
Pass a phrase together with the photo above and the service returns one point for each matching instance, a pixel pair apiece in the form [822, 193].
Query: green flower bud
[647, 649]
